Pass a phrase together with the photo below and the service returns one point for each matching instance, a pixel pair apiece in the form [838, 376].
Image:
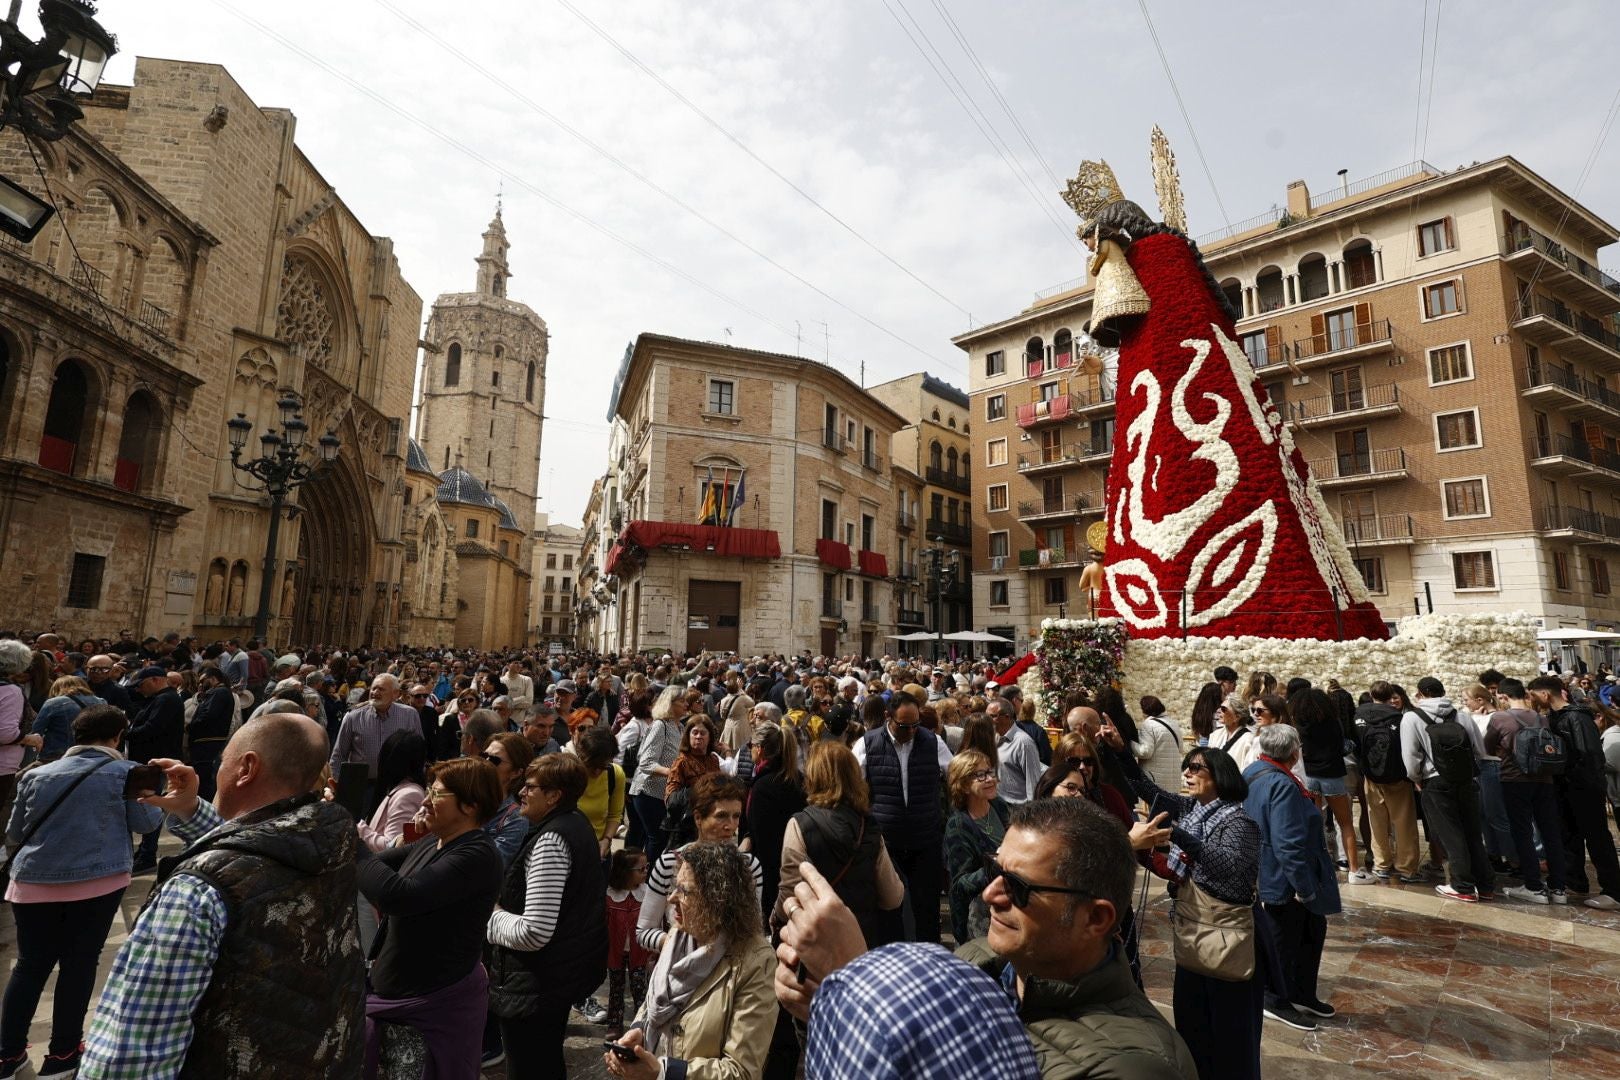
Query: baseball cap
[151, 672]
[566, 685]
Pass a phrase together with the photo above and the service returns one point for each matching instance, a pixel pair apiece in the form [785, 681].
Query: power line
[746, 149]
[644, 179]
[959, 93]
[1186, 117]
[505, 173]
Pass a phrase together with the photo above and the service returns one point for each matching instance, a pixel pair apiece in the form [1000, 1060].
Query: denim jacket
[55, 722]
[88, 835]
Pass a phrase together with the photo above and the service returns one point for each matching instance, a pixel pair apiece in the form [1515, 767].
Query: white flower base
[1452, 648]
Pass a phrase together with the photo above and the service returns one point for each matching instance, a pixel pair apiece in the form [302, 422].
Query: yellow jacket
[726, 1028]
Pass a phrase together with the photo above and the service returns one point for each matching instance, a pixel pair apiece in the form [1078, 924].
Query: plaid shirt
[142, 1026]
[915, 1010]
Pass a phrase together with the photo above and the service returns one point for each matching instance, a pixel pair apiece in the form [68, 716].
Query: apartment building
[1445, 349]
[758, 504]
[552, 605]
[936, 530]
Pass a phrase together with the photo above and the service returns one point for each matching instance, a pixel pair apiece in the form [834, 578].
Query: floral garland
[1078, 653]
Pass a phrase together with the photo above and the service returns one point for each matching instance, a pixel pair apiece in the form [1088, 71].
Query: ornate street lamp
[38, 77]
[945, 565]
[279, 468]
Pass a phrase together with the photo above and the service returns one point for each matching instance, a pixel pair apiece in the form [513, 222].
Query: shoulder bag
[28, 833]
[1212, 937]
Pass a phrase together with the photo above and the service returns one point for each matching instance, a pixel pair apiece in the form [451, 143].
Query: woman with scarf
[1216, 846]
[711, 1006]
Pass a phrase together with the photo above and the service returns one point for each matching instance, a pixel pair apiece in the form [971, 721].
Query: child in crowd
[627, 888]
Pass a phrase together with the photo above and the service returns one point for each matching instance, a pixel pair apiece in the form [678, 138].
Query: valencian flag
[706, 511]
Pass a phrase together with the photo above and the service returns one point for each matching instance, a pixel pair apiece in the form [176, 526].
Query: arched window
[500, 285]
[1360, 268]
[1268, 286]
[950, 461]
[136, 466]
[1062, 348]
[499, 352]
[936, 456]
[67, 417]
[528, 386]
[1313, 278]
[452, 366]
[1232, 289]
[952, 423]
[1035, 353]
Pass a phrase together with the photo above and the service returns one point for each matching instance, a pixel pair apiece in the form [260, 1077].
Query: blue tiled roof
[457, 485]
[507, 520]
[416, 459]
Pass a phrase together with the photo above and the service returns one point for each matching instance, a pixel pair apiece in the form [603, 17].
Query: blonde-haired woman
[972, 833]
[659, 746]
[837, 834]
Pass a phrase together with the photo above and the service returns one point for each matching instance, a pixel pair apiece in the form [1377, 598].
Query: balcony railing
[1063, 504]
[1264, 356]
[871, 461]
[949, 531]
[1562, 446]
[942, 478]
[869, 613]
[905, 519]
[153, 317]
[1050, 411]
[1559, 312]
[1522, 237]
[831, 609]
[1374, 463]
[1048, 457]
[1373, 530]
[1043, 558]
[1346, 403]
[1343, 340]
[909, 617]
[1543, 375]
[1036, 366]
[1096, 448]
[1080, 400]
[88, 277]
[905, 571]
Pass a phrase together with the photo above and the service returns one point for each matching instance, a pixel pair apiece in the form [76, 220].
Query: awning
[1576, 633]
[833, 554]
[874, 564]
[977, 635]
[719, 539]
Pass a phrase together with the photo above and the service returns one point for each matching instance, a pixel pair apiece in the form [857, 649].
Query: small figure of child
[627, 888]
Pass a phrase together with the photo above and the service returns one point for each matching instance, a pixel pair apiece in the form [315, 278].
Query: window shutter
[1427, 313]
[1035, 393]
[1462, 302]
[1451, 233]
[1068, 539]
[1318, 333]
[1363, 316]
[1273, 340]
[1063, 387]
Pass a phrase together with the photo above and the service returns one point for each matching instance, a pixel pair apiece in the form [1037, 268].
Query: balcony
[1577, 524]
[1048, 459]
[1366, 403]
[1392, 529]
[1544, 257]
[869, 613]
[1352, 342]
[1343, 470]
[1565, 390]
[1047, 559]
[1035, 414]
[908, 617]
[1265, 356]
[834, 554]
[1561, 455]
[1082, 402]
[905, 571]
[1036, 367]
[941, 478]
[1552, 322]
[1095, 452]
[831, 608]
[949, 531]
[1085, 504]
[905, 520]
[871, 462]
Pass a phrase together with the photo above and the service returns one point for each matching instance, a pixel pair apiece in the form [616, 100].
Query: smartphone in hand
[620, 1051]
[145, 780]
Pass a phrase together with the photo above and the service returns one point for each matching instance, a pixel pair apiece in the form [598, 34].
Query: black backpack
[1451, 750]
[1540, 751]
[1381, 751]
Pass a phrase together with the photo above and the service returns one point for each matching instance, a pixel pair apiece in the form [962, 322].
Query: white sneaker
[1519, 892]
[1558, 896]
[1602, 902]
[1361, 877]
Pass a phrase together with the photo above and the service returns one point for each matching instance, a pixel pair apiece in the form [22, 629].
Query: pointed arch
[452, 364]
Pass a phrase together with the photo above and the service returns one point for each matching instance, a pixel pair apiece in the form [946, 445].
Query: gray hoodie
[1415, 748]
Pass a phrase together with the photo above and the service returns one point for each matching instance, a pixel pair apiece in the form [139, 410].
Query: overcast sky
[836, 97]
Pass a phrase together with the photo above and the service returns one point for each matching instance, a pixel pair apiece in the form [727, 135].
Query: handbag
[1212, 937]
[28, 833]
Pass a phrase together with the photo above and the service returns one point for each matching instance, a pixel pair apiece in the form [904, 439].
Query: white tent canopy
[977, 635]
[1575, 633]
[923, 635]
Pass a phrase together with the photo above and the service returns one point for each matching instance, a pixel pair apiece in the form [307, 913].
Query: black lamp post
[37, 81]
[279, 468]
[944, 565]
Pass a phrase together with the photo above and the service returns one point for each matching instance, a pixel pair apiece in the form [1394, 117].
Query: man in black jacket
[156, 730]
[1581, 793]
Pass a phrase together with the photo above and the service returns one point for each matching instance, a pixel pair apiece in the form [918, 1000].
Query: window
[998, 497]
[995, 363]
[1341, 329]
[1440, 299]
[1372, 572]
[722, 397]
[849, 533]
[545, 624]
[1057, 590]
[868, 532]
[1473, 570]
[1435, 236]
[567, 582]
[995, 452]
[494, 378]
[1049, 391]
[472, 527]
[829, 435]
[995, 407]
[528, 387]
[1465, 498]
[1457, 430]
[998, 545]
[1561, 570]
[1254, 346]
[84, 585]
[452, 366]
[551, 560]
[551, 583]
[1598, 570]
[998, 594]
[568, 564]
[829, 520]
[1449, 364]
[505, 550]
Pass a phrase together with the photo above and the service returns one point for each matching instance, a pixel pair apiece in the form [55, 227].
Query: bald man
[226, 963]
[98, 672]
[1083, 718]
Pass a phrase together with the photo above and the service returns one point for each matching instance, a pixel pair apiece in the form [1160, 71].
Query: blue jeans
[1498, 834]
[649, 810]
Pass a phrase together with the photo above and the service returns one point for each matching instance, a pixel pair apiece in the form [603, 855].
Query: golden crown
[1092, 188]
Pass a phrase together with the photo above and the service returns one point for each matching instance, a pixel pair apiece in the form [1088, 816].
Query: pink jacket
[387, 825]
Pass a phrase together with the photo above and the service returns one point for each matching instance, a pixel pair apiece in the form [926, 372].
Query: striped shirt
[660, 745]
[544, 879]
[653, 924]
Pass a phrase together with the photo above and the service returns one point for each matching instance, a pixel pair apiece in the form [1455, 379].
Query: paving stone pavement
[1424, 987]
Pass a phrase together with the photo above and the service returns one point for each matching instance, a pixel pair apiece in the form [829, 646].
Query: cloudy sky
[939, 193]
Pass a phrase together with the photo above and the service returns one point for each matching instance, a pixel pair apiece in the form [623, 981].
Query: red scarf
[1286, 771]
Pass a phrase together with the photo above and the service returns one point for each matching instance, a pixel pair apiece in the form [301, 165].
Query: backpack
[1381, 752]
[1540, 751]
[1452, 751]
[678, 825]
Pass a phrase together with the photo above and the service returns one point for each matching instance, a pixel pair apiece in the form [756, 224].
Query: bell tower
[493, 271]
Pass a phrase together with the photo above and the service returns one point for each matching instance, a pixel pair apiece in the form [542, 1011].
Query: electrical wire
[643, 178]
[1186, 117]
[958, 92]
[748, 150]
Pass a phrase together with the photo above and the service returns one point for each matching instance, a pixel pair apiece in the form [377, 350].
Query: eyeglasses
[1259, 710]
[98, 669]
[418, 697]
[494, 759]
[435, 794]
[982, 776]
[1071, 789]
[530, 785]
[906, 727]
[1195, 767]
[1019, 891]
[1082, 762]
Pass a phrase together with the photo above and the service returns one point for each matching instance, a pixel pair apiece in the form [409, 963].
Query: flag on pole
[706, 509]
[736, 498]
[722, 508]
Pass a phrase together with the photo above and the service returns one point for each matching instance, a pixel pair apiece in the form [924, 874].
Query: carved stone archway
[336, 543]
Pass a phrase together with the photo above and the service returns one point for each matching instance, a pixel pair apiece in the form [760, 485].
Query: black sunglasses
[1018, 890]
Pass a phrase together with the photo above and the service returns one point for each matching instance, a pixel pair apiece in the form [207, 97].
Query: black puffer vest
[288, 994]
[912, 822]
[844, 846]
[574, 962]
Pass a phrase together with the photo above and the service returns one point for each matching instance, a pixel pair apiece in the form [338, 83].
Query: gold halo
[1097, 535]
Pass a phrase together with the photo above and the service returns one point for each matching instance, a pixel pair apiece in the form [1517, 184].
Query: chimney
[1299, 201]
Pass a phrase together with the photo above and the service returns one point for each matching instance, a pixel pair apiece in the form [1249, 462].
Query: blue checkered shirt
[142, 1026]
[914, 1010]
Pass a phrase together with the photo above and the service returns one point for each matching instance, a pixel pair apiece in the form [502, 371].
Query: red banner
[720, 539]
[873, 564]
[833, 554]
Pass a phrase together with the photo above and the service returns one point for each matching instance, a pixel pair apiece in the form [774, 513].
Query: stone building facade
[200, 265]
[554, 578]
[789, 456]
[1448, 355]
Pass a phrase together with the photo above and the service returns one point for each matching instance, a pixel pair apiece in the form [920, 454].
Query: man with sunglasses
[1059, 881]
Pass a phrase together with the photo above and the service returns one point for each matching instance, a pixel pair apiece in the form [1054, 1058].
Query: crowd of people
[418, 863]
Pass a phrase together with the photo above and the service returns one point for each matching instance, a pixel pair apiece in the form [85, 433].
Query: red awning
[738, 543]
[873, 564]
[833, 554]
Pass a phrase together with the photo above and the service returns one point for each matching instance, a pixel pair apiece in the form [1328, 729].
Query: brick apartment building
[1446, 351]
